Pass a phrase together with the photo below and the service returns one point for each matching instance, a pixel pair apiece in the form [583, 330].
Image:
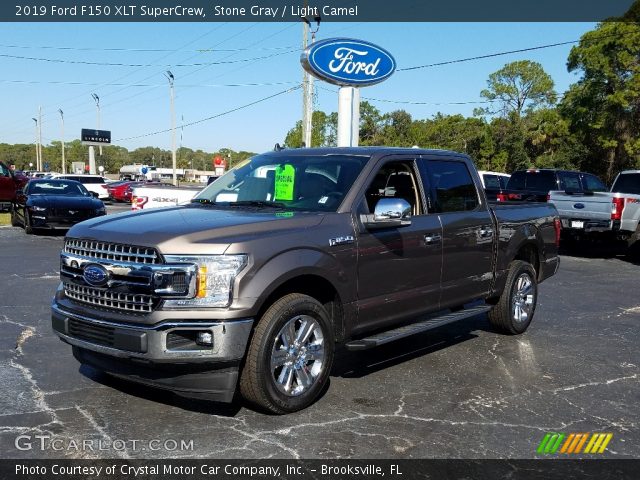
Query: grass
[5, 219]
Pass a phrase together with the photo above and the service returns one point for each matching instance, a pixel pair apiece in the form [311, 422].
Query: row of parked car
[586, 206]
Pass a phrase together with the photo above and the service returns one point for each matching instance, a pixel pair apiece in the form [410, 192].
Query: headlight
[214, 282]
[33, 208]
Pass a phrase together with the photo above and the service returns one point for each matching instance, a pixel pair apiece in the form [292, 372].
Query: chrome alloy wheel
[522, 302]
[297, 357]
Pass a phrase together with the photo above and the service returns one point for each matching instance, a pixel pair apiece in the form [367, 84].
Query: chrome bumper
[149, 342]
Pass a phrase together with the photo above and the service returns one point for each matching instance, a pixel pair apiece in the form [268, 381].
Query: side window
[503, 182]
[593, 183]
[396, 179]
[4, 172]
[454, 187]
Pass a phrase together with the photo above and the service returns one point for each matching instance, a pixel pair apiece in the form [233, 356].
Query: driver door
[398, 267]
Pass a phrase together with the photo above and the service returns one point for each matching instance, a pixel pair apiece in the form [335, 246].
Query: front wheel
[14, 217]
[290, 355]
[514, 311]
[28, 229]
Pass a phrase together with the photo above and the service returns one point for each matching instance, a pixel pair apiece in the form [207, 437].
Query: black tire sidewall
[522, 267]
[284, 312]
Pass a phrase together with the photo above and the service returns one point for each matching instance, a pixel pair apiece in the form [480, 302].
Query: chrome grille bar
[111, 251]
[130, 302]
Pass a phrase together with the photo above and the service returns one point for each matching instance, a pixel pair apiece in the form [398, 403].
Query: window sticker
[285, 181]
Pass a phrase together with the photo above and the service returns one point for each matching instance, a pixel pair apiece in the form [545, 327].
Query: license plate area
[577, 224]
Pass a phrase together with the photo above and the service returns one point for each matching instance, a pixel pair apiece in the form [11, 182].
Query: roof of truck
[368, 151]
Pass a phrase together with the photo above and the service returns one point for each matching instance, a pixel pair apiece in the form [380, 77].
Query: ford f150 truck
[156, 196]
[254, 282]
[615, 213]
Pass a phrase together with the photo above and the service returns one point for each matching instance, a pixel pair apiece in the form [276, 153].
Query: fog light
[204, 339]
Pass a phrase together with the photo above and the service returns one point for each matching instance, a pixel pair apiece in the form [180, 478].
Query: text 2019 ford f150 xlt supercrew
[254, 282]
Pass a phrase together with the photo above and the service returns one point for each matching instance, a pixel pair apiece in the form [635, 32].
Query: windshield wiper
[203, 201]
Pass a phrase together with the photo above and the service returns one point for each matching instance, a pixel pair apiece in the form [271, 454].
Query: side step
[407, 330]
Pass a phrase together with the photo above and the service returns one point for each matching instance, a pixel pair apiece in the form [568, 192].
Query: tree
[518, 87]
[320, 129]
[603, 107]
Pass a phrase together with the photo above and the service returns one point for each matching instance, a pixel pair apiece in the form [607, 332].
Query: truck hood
[193, 229]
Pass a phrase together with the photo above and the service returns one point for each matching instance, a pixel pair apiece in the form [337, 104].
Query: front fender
[258, 285]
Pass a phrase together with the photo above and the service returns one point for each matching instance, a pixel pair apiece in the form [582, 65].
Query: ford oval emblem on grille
[579, 206]
[95, 275]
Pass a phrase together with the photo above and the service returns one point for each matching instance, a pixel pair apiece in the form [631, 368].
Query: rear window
[569, 181]
[530, 180]
[627, 183]
[491, 181]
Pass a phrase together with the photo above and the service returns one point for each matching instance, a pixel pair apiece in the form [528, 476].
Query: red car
[121, 191]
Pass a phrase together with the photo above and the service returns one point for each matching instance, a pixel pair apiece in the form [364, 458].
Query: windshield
[627, 183]
[57, 187]
[310, 183]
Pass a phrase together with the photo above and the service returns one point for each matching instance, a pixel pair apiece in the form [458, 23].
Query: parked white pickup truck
[146, 197]
[615, 212]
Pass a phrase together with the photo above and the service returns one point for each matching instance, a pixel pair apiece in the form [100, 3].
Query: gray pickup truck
[251, 286]
[615, 213]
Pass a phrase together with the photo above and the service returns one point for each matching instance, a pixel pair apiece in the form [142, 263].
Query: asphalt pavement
[462, 391]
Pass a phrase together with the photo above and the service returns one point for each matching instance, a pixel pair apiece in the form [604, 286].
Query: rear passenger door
[467, 230]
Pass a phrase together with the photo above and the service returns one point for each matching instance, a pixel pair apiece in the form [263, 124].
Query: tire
[14, 219]
[28, 229]
[513, 313]
[281, 388]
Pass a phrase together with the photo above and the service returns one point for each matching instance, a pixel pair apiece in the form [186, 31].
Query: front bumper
[159, 355]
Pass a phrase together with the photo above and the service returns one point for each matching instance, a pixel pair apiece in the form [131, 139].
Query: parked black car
[534, 184]
[54, 204]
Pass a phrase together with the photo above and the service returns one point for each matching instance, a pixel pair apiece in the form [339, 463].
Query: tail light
[104, 185]
[558, 227]
[502, 197]
[137, 203]
[548, 197]
[617, 205]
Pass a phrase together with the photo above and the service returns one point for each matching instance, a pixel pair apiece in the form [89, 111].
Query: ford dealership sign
[348, 62]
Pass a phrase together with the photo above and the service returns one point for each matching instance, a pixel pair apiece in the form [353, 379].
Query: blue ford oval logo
[579, 206]
[348, 62]
[95, 275]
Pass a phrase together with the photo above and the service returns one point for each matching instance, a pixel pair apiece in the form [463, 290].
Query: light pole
[97, 100]
[170, 77]
[307, 83]
[64, 164]
[40, 166]
[37, 145]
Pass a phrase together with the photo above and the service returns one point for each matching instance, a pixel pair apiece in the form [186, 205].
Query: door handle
[431, 239]
[485, 232]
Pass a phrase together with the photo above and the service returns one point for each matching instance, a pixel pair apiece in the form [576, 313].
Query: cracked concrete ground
[462, 391]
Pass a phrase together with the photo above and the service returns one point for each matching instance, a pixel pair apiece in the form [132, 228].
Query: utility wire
[107, 64]
[158, 50]
[163, 85]
[509, 52]
[246, 105]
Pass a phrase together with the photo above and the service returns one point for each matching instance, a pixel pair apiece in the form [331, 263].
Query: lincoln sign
[348, 62]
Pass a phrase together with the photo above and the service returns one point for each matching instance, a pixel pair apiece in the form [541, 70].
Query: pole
[306, 121]
[40, 167]
[97, 99]
[348, 116]
[36, 143]
[173, 125]
[64, 164]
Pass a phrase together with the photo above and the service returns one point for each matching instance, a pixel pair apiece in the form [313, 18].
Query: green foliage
[603, 107]
[519, 87]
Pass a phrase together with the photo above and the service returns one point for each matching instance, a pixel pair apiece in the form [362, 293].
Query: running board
[407, 330]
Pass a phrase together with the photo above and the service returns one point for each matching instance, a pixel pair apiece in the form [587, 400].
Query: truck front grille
[111, 251]
[100, 297]
[90, 332]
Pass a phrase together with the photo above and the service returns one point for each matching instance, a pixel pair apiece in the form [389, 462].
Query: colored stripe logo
[554, 442]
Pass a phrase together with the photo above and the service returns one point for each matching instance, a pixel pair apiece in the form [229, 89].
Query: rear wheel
[514, 311]
[290, 355]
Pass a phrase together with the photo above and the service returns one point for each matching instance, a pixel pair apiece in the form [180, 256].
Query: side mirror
[94, 194]
[389, 213]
